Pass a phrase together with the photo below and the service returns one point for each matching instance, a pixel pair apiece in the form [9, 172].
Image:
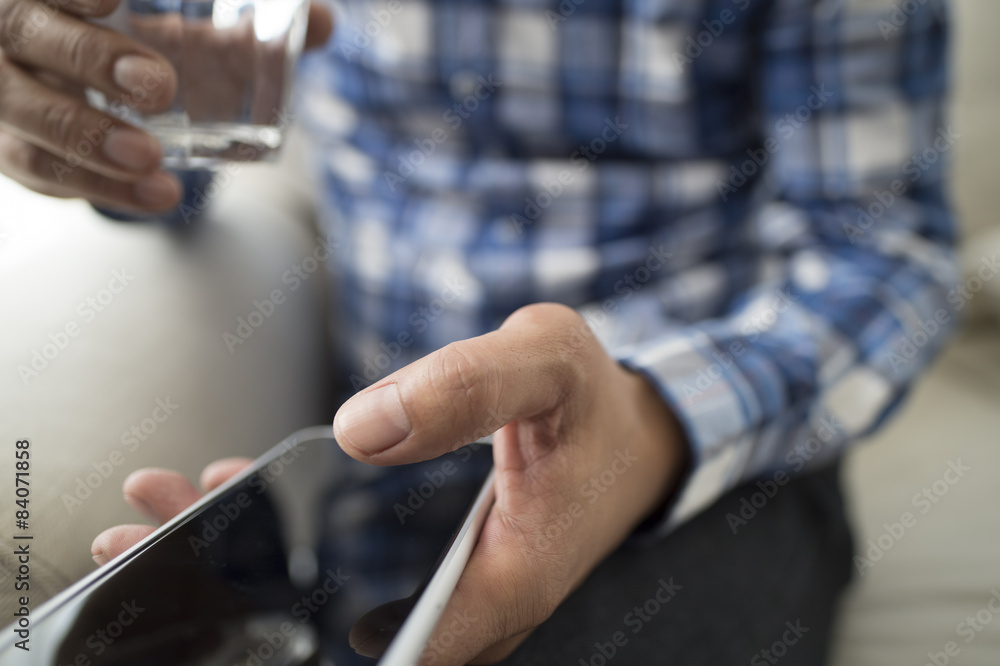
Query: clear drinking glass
[234, 59]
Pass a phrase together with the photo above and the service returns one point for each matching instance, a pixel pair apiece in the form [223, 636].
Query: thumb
[464, 391]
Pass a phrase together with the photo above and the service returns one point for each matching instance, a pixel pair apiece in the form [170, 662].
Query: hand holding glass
[234, 61]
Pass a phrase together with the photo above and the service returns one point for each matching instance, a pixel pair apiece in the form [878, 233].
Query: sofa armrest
[128, 345]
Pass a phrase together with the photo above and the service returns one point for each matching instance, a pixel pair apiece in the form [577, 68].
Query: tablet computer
[305, 557]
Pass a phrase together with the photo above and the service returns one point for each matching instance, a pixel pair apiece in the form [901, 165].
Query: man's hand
[585, 451]
[159, 494]
[51, 140]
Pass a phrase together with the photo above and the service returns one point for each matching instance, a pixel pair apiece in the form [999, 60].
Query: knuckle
[12, 16]
[40, 164]
[27, 159]
[564, 348]
[27, 163]
[6, 75]
[61, 125]
[463, 373]
[83, 51]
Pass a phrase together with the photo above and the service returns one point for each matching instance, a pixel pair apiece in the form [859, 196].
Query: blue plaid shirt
[743, 197]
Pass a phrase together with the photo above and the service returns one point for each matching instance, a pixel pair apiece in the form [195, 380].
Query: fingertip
[129, 484]
[99, 548]
[141, 506]
[146, 82]
[218, 472]
[114, 541]
[139, 478]
[372, 422]
[159, 192]
[132, 149]
[164, 492]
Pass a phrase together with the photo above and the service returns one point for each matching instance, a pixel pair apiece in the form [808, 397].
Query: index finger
[114, 541]
[464, 391]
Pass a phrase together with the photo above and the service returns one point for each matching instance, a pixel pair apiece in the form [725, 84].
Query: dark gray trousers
[704, 595]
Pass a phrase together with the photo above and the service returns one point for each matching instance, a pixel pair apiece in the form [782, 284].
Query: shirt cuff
[710, 398]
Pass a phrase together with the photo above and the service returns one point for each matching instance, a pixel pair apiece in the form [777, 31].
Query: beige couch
[945, 568]
[155, 345]
[114, 357]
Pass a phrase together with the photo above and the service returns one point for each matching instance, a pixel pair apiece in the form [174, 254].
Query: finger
[320, 26]
[127, 72]
[114, 541]
[43, 172]
[88, 8]
[464, 391]
[68, 127]
[159, 494]
[220, 471]
[56, 82]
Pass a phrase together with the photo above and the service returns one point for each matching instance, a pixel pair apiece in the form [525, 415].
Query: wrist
[661, 440]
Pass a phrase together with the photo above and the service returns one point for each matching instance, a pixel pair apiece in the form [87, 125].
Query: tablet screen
[314, 558]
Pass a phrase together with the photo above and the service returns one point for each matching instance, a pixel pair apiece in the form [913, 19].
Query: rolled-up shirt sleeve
[853, 220]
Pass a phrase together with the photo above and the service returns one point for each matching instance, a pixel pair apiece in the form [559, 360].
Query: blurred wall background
[926, 599]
